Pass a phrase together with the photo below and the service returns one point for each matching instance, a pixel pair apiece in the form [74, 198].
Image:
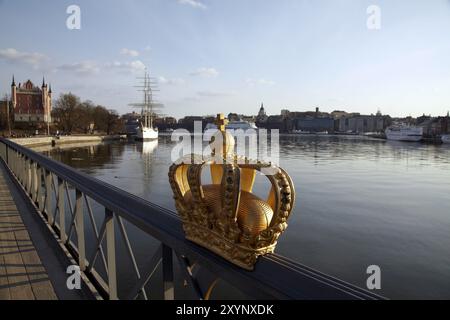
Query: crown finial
[221, 122]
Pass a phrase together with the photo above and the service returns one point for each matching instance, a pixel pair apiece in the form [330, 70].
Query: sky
[211, 56]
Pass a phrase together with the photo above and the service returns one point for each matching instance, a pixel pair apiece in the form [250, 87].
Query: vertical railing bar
[61, 209]
[27, 175]
[48, 196]
[111, 253]
[94, 225]
[124, 234]
[80, 229]
[35, 189]
[40, 193]
[30, 177]
[167, 264]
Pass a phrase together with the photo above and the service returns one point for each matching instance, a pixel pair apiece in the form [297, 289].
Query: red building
[31, 103]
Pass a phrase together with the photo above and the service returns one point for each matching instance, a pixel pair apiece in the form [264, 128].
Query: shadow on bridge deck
[32, 265]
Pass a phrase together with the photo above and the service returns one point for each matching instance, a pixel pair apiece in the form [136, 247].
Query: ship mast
[148, 106]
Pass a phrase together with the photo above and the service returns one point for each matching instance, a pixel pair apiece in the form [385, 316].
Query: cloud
[214, 94]
[260, 81]
[129, 52]
[83, 67]
[193, 3]
[205, 72]
[171, 81]
[34, 59]
[133, 66]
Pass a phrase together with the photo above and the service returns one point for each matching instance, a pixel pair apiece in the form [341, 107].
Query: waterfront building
[165, 123]
[435, 126]
[30, 103]
[233, 117]
[363, 123]
[310, 124]
[262, 116]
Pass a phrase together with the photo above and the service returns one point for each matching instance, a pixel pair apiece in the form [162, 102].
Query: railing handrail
[274, 276]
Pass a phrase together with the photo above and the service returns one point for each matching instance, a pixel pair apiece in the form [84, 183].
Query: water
[360, 202]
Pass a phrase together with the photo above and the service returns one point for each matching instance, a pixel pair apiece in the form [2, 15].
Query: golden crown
[225, 216]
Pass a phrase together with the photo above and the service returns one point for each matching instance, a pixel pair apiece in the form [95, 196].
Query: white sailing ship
[146, 130]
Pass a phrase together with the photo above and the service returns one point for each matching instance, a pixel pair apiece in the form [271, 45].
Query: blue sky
[230, 55]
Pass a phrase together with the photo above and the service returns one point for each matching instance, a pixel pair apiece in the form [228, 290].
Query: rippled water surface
[360, 202]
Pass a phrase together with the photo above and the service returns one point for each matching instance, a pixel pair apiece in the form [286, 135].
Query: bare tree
[65, 111]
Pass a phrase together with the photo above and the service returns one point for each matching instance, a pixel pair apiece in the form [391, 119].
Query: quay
[63, 140]
[47, 212]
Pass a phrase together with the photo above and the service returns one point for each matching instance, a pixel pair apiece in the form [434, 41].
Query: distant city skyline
[212, 56]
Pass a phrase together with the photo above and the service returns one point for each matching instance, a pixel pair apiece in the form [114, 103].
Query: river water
[360, 202]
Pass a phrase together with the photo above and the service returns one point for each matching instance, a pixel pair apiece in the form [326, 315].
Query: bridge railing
[64, 197]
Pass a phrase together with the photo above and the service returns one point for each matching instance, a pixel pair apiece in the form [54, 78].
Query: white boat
[404, 133]
[234, 125]
[146, 130]
[301, 132]
[445, 138]
[145, 133]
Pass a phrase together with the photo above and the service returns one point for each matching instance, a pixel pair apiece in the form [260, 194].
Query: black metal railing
[52, 185]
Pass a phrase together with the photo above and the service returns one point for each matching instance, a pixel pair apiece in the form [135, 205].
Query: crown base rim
[236, 254]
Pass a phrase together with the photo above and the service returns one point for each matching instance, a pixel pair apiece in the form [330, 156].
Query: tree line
[71, 115]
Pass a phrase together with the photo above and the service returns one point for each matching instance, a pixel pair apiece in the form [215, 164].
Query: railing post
[40, 192]
[80, 229]
[19, 166]
[29, 177]
[61, 209]
[167, 264]
[16, 168]
[26, 173]
[34, 190]
[111, 253]
[48, 195]
[13, 162]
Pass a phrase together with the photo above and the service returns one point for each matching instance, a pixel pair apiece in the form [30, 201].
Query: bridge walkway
[22, 274]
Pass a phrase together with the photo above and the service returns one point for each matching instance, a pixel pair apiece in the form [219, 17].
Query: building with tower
[30, 103]
[262, 116]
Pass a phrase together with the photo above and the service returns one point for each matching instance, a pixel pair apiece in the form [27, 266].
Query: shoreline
[55, 141]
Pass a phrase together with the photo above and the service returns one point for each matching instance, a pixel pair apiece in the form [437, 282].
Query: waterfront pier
[58, 207]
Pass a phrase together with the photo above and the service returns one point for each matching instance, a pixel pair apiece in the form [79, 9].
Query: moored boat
[146, 131]
[234, 125]
[445, 138]
[404, 133]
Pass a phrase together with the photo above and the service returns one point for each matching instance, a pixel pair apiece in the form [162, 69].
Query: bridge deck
[22, 274]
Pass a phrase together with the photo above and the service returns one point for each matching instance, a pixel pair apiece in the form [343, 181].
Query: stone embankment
[54, 141]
